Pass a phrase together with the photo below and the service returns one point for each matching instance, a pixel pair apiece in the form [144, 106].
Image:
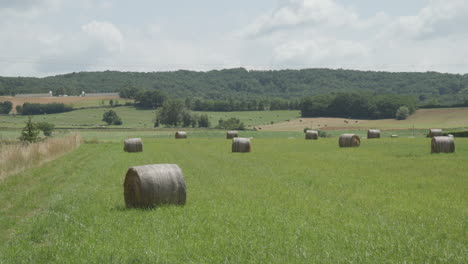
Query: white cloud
[323, 33]
[296, 14]
[298, 33]
[105, 35]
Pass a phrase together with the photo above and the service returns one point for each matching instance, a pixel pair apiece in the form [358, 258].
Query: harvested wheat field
[422, 118]
[73, 100]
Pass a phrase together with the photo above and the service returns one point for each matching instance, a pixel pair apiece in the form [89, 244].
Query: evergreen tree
[30, 132]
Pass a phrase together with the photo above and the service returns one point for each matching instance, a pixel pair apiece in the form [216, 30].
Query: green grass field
[134, 118]
[289, 201]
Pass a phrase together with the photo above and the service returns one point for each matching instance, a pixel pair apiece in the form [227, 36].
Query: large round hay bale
[442, 145]
[133, 145]
[435, 132]
[349, 140]
[373, 133]
[241, 145]
[231, 134]
[311, 134]
[152, 185]
[180, 134]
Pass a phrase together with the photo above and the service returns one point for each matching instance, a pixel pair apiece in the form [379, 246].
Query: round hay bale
[152, 185]
[435, 132]
[241, 145]
[373, 133]
[133, 145]
[349, 140]
[311, 134]
[442, 145]
[231, 134]
[180, 134]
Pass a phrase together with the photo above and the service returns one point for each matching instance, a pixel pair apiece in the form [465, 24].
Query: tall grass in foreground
[17, 157]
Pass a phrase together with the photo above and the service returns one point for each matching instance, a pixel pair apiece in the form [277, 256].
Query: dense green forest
[428, 88]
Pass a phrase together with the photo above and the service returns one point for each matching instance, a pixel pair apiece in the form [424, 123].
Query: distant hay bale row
[373, 133]
[311, 134]
[231, 134]
[133, 145]
[180, 135]
[349, 140]
[241, 145]
[442, 145]
[152, 185]
[435, 132]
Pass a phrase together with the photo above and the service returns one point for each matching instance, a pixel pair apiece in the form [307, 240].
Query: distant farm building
[35, 95]
[100, 94]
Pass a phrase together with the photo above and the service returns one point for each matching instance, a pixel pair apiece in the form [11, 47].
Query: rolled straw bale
[152, 185]
[133, 145]
[442, 145]
[180, 134]
[373, 133]
[241, 145]
[349, 140]
[231, 134]
[435, 132]
[311, 134]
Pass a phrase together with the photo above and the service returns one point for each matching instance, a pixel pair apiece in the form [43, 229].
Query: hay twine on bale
[148, 186]
[349, 140]
[311, 134]
[232, 134]
[180, 135]
[241, 145]
[435, 132]
[133, 145]
[442, 145]
[373, 133]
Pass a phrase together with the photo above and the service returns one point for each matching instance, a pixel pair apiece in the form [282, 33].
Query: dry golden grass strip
[17, 157]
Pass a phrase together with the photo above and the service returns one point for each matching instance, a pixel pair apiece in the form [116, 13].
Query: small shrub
[402, 113]
[323, 134]
[5, 107]
[231, 124]
[111, 117]
[47, 128]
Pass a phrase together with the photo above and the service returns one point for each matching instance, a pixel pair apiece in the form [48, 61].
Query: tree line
[39, 109]
[355, 105]
[221, 85]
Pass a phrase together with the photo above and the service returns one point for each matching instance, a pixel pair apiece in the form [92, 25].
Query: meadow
[288, 201]
[136, 118]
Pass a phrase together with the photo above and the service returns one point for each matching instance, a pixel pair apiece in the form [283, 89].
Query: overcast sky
[49, 37]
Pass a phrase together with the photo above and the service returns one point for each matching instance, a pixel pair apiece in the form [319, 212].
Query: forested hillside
[240, 83]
